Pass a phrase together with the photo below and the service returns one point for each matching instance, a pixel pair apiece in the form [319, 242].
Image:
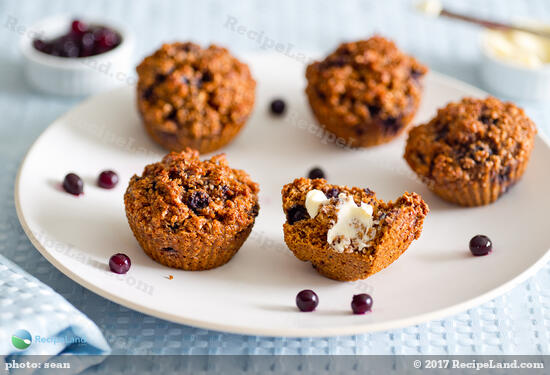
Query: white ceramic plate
[255, 292]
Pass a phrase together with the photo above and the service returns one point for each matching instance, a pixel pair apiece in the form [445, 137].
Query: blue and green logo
[21, 339]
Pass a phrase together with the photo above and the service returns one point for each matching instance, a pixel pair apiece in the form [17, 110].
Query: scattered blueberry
[120, 263]
[73, 184]
[307, 300]
[107, 179]
[316, 173]
[481, 245]
[198, 200]
[361, 303]
[296, 213]
[278, 107]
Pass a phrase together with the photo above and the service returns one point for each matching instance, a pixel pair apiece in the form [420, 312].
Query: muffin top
[294, 196]
[473, 139]
[181, 193]
[369, 78]
[193, 91]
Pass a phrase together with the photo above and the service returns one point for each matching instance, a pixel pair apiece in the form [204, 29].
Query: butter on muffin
[347, 233]
[191, 214]
[366, 92]
[193, 97]
[473, 151]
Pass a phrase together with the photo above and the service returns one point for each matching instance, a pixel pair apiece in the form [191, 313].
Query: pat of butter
[431, 8]
[352, 224]
[519, 47]
[314, 200]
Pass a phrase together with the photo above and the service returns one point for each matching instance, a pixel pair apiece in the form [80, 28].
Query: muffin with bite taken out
[347, 233]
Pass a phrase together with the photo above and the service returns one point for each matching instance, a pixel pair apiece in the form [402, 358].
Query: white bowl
[76, 76]
[513, 80]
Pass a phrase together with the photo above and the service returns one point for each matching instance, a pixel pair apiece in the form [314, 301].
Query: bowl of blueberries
[74, 57]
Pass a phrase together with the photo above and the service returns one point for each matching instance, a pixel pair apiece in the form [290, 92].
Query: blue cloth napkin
[34, 319]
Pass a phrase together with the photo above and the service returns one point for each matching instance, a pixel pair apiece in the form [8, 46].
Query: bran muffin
[473, 151]
[193, 97]
[345, 247]
[191, 214]
[366, 92]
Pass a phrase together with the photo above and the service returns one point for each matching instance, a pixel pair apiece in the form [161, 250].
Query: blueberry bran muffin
[366, 92]
[472, 151]
[394, 226]
[191, 214]
[193, 97]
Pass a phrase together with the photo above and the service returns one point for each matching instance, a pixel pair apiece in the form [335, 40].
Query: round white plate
[254, 293]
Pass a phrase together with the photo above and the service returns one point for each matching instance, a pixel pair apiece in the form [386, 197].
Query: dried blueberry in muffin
[473, 150]
[191, 214]
[365, 92]
[195, 97]
[350, 234]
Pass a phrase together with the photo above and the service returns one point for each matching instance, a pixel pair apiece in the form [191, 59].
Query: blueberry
[392, 124]
[106, 39]
[316, 173]
[374, 110]
[368, 191]
[361, 303]
[120, 263]
[148, 93]
[81, 40]
[107, 179]
[40, 45]
[78, 27]
[332, 193]
[206, 77]
[307, 300]
[296, 213]
[73, 184]
[481, 245]
[278, 106]
[416, 74]
[198, 200]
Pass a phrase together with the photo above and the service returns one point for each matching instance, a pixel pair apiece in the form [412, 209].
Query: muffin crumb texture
[366, 92]
[191, 214]
[349, 234]
[472, 151]
[194, 97]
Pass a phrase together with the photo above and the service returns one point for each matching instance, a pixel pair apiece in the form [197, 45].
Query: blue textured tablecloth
[53, 326]
[518, 322]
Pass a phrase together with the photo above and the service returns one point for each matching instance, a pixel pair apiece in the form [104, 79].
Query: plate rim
[298, 332]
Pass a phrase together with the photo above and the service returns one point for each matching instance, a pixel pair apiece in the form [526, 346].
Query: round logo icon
[21, 339]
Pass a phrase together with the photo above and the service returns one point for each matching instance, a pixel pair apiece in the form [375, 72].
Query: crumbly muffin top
[181, 193]
[193, 89]
[369, 78]
[471, 140]
[294, 195]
